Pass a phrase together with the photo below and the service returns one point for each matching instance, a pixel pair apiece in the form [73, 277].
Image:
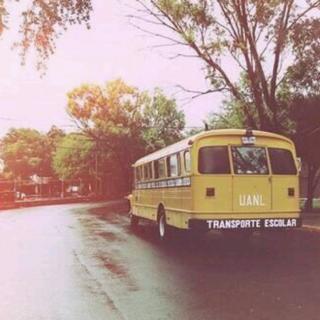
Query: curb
[311, 228]
[310, 215]
[36, 203]
[28, 204]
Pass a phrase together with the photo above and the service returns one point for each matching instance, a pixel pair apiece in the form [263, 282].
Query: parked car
[20, 195]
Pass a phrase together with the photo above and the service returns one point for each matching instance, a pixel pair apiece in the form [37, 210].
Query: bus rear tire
[164, 229]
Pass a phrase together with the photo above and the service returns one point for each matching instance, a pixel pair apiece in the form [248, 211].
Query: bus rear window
[282, 161]
[249, 160]
[214, 160]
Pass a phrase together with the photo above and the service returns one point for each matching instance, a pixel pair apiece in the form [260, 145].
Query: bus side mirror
[299, 164]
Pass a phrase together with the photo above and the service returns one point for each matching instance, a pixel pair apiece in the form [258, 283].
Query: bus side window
[173, 166]
[147, 171]
[187, 161]
[161, 168]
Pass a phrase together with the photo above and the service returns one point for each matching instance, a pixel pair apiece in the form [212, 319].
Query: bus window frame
[179, 164]
[184, 161]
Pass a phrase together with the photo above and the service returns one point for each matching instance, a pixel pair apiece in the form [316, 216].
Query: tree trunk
[308, 207]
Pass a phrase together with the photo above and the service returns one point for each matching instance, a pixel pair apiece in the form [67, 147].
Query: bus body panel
[281, 199]
[251, 194]
[221, 196]
[222, 188]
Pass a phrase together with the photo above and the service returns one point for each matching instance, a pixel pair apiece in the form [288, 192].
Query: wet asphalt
[83, 262]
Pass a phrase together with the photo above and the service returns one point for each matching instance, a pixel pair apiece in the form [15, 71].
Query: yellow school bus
[233, 179]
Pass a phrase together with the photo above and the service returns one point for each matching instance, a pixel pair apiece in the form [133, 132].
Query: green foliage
[122, 118]
[118, 125]
[111, 115]
[74, 158]
[26, 152]
[162, 121]
[125, 124]
[230, 116]
[43, 22]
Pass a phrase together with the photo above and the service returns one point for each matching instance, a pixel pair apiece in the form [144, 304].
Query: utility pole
[97, 167]
[62, 188]
[96, 156]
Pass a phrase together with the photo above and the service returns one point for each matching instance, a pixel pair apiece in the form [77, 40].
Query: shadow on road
[268, 250]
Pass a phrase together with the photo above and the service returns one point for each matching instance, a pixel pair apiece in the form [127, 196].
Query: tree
[110, 115]
[124, 124]
[256, 35]
[230, 116]
[54, 135]
[302, 87]
[306, 112]
[163, 122]
[43, 22]
[74, 158]
[26, 152]
[303, 77]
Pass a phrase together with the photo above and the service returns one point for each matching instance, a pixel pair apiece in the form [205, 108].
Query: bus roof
[185, 143]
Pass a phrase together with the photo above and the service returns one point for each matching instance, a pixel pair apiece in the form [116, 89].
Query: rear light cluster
[291, 192]
[210, 192]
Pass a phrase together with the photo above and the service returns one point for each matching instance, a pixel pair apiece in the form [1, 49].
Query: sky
[111, 49]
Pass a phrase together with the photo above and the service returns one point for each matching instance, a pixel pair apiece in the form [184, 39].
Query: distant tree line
[116, 124]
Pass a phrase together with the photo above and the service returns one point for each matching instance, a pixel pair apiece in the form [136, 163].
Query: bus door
[251, 179]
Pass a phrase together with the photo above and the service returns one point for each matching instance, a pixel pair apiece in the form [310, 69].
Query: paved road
[82, 262]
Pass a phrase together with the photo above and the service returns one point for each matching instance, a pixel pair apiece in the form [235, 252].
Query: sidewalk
[311, 221]
[111, 204]
[42, 202]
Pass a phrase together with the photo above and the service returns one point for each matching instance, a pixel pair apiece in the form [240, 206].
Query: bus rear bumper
[245, 224]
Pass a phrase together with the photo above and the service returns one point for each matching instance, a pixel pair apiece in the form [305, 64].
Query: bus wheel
[163, 228]
[134, 221]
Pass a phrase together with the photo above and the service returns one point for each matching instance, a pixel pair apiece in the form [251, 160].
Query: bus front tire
[134, 221]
